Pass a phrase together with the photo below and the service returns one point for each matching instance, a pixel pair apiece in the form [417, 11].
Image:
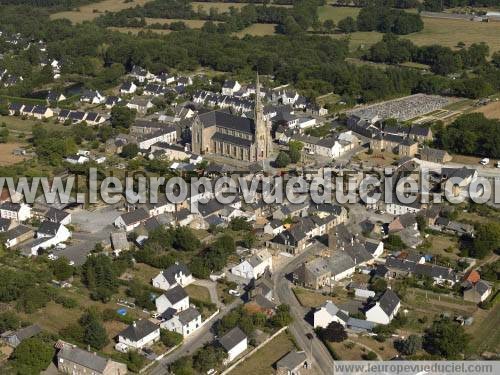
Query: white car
[234, 293]
[484, 161]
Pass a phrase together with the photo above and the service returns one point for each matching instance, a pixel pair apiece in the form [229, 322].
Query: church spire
[258, 103]
[262, 131]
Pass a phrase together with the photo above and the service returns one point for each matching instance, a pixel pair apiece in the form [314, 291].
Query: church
[225, 134]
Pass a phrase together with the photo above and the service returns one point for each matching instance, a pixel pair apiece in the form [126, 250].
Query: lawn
[482, 330]
[6, 156]
[490, 110]
[19, 124]
[92, 11]
[448, 32]
[257, 29]
[309, 298]
[263, 360]
[328, 12]
[143, 272]
[198, 292]
[440, 243]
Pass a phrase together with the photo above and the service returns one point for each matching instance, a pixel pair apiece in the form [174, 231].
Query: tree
[183, 366]
[170, 338]
[185, 239]
[135, 361]
[328, 25]
[99, 276]
[8, 321]
[395, 242]
[32, 356]
[61, 269]
[347, 25]
[495, 59]
[282, 317]
[122, 117]
[487, 239]
[130, 151]
[409, 346]
[94, 334]
[294, 150]
[446, 338]
[282, 160]
[334, 332]
[379, 285]
[208, 357]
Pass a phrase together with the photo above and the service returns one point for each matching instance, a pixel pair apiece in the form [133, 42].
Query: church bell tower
[263, 138]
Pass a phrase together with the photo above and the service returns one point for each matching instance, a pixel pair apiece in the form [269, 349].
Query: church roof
[228, 121]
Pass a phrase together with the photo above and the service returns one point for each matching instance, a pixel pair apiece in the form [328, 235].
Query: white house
[15, 211]
[139, 334]
[234, 343]
[327, 313]
[184, 322]
[306, 122]
[92, 97]
[384, 310]
[255, 266]
[76, 159]
[230, 87]
[128, 88]
[175, 298]
[41, 112]
[131, 220]
[274, 227]
[176, 274]
[48, 235]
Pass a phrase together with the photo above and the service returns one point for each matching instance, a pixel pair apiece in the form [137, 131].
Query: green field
[257, 29]
[263, 360]
[198, 292]
[327, 12]
[94, 10]
[482, 331]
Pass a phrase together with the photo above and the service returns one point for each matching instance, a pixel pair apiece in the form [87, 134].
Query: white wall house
[15, 211]
[234, 342]
[184, 323]
[175, 298]
[255, 266]
[385, 309]
[131, 220]
[327, 313]
[230, 87]
[139, 334]
[176, 274]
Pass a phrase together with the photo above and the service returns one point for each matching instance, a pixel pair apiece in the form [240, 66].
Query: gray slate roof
[388, 301]
[138, 330]
[82, 357]
[232, 338]
[175, 269]
[188, 315]
[292, 360]
[175, 294]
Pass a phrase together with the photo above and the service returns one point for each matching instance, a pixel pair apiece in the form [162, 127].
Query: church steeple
[262, 131]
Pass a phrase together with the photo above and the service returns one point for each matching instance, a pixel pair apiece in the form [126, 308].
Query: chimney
[134, 324]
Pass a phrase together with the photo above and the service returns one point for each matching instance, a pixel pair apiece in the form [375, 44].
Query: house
[175, 298]
[360, 326]
[396, 207]
[76, 159]
[131, 220]
[19, 212]
[292, 241]
[58, 216]
[274, 227]
[477, 292]
[404, 267]
[52, 229]
[234, 343]
[184, 322]
[128, 88]
[41, 112]
[111, 101]
[17, 235]
[139, 334]
[230, 87]
[420, 133]
[55, 97]
[385, 309]
[6, 224]
[141, 74]
[314, 274]
[435, 155]
[140, 104]
[341, 265]
[176, 274]
[327, 313]
[75, 361]
[15, 338]
[291, 210]
[292, 363]
[255, 266]
[408, 220]
[119, 242]
[408, 148]
[92, 97]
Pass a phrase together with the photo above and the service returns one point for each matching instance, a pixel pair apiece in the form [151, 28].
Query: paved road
[193, 342]
[322, 360]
